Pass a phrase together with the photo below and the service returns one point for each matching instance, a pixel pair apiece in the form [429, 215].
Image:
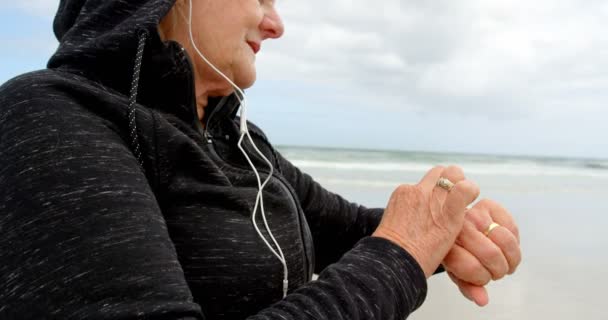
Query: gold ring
[445, 184]
[490, 228]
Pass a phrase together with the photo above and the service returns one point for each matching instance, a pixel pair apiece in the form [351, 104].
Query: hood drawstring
[133, 99]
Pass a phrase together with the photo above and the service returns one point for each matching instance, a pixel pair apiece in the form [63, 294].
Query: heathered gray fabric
[86, 232]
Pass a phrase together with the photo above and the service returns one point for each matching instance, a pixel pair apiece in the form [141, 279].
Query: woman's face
[228, 33]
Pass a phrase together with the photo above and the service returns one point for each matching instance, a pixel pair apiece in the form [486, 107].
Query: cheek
[227, 49]
[241, 48]
[244, 60]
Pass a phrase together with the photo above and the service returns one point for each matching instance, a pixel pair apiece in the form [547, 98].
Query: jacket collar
[219, 109]
[169, 86]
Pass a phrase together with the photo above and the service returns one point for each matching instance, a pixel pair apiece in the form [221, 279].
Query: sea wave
[596, 165]
[525, 188]
[523, 168]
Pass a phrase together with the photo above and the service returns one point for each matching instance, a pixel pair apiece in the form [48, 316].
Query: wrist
[394, 237]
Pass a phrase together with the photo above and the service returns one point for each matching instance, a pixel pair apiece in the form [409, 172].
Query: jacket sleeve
[81, 234]
[375, 280]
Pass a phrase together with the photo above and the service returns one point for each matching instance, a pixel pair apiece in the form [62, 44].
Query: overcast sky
[480, 76]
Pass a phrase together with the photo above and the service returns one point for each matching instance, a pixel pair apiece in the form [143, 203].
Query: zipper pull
[208, 137]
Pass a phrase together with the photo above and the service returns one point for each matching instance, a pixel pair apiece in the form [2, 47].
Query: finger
[509, 246]
[452, 173]
[484, 249]
[480, 217]
[477, 294]
[457, 200]
[466, 266]
[429, 181]
[501, 216]
[483, 214]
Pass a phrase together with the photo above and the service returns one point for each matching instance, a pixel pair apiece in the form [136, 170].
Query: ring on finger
[445, 184]
[491, 227]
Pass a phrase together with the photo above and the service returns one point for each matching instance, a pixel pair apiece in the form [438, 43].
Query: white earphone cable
[245, 132]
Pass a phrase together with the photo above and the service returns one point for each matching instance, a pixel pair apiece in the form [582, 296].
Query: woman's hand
[476, 259]
[425, 219]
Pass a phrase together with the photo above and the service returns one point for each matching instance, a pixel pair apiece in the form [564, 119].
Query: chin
[246, 82]
[246, 77]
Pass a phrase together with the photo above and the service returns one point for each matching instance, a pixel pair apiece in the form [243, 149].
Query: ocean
[559, 204]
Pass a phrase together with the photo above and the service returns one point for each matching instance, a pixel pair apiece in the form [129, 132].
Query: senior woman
[127, 190]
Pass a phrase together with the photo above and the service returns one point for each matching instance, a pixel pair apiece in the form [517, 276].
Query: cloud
[474, 56]
[494, 57]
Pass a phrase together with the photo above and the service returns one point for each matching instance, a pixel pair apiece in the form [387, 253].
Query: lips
[254, 46]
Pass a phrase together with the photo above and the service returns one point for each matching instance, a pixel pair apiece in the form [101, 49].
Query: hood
[98, 39]
[116, 43]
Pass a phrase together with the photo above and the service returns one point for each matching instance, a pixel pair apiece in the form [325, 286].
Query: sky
[508, 77]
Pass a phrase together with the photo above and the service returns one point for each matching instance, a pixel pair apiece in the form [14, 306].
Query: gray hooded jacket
[115, 203]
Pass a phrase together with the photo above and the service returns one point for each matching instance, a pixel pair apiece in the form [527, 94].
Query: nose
[272, 25]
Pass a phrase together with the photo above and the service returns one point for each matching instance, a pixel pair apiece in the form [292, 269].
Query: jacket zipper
[300, 213]
[209, 139]
[285, 188]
